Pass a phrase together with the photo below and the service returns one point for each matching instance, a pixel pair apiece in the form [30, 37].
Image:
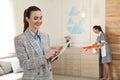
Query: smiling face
[35, 20]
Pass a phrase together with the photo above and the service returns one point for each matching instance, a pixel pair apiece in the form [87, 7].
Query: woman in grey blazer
[33, 49]
[105, 51]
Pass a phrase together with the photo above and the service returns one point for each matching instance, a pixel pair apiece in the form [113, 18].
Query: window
[7, 28]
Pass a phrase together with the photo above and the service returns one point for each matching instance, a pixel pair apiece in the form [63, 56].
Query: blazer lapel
[42, 40]
[33, 42]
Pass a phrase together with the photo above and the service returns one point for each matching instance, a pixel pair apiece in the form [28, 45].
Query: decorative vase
[69, 43]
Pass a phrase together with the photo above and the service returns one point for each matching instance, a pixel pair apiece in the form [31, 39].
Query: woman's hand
[101, 44]
[58, 49]
[53, 52]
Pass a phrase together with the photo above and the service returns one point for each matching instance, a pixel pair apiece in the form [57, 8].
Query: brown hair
[27, 13]
[98, 27]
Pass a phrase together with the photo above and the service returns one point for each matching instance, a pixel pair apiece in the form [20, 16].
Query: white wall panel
[56, 15]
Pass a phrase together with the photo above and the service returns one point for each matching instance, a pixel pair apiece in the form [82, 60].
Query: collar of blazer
[33, 42]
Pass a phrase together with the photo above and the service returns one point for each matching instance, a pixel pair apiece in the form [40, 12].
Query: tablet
[63, 49]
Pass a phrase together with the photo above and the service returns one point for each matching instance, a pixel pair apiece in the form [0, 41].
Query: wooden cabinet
[90, 64]
[68, 63]
[75, 62]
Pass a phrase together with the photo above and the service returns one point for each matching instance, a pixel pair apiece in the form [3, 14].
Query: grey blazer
[35, 65]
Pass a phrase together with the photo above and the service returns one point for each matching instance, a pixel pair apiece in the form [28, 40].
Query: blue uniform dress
[106, 55]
